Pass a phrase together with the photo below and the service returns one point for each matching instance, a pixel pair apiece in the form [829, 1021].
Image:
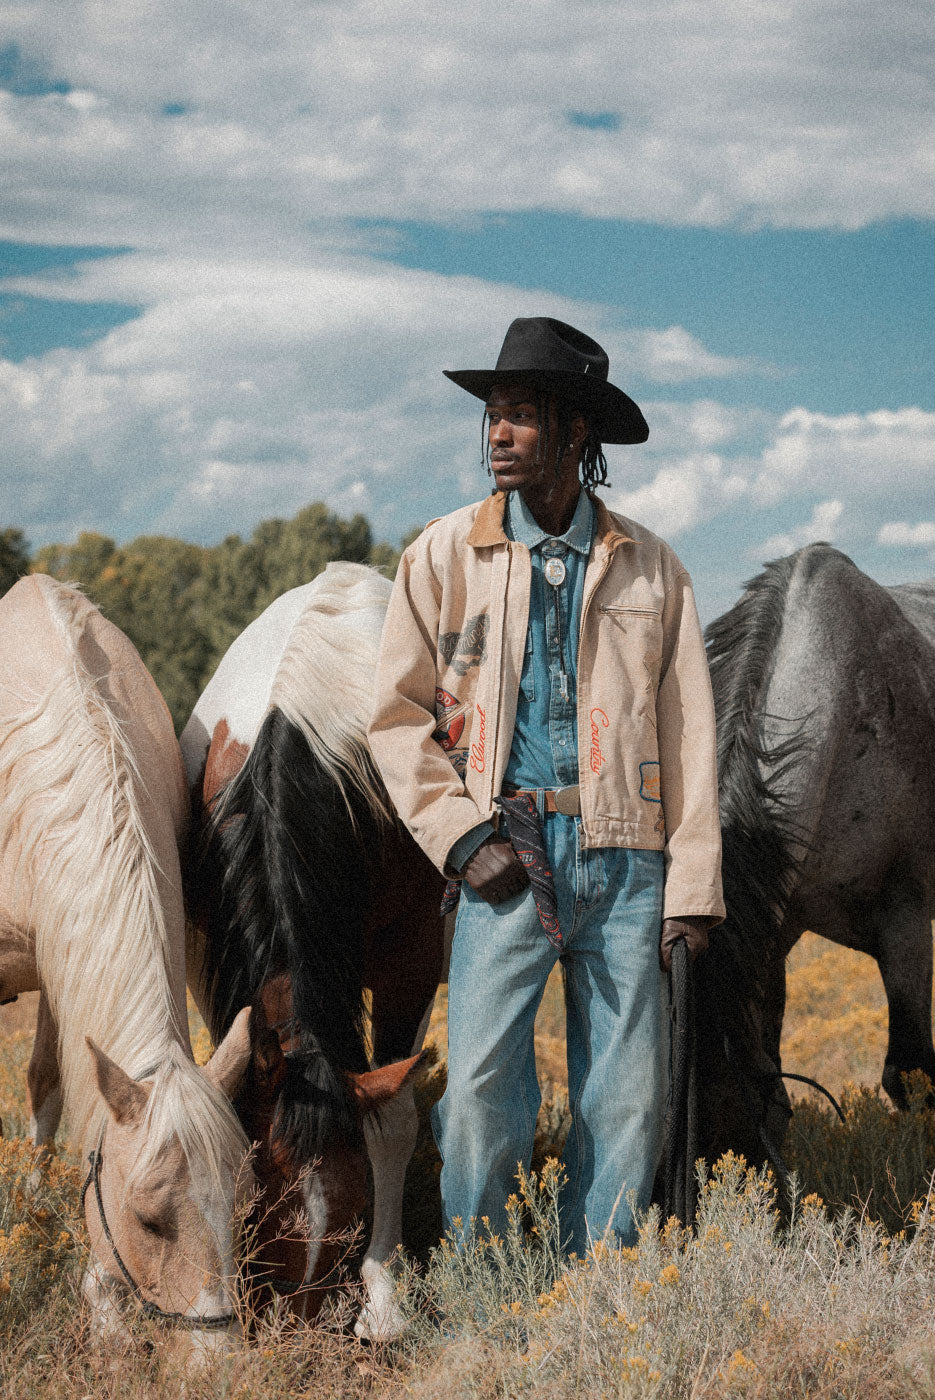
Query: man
[543, 658]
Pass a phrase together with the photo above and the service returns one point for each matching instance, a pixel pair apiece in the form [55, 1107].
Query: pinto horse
[304, 889]
[824, 687]
[93, 805]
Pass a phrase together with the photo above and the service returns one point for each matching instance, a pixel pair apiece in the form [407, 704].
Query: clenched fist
[693, 928]
[495, 872]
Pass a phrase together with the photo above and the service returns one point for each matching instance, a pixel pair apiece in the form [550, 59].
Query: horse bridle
[288, 1287]
[192, 1321]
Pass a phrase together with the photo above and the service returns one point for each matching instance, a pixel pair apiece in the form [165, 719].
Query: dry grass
[835, 1023]
[835, 1301]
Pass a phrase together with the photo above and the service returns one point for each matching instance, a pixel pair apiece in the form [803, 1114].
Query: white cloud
[673, 356]
[877, 455]
[823, 525]
[248, 386]
[794, 113]
[902, 535]
[683, 495]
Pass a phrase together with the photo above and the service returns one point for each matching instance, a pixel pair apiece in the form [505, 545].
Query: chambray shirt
[544, 753]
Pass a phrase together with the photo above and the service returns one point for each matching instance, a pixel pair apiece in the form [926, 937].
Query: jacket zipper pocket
[613, 609]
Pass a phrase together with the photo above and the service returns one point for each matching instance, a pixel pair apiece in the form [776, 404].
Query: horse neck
[129, 998]
[99, 867]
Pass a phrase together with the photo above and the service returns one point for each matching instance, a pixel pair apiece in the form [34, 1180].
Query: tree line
[183, 604]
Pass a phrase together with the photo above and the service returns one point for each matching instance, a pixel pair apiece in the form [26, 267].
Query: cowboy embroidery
[597, 758]
[467, 648]
[478, 760]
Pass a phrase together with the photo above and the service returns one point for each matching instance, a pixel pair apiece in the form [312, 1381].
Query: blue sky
[236, 252]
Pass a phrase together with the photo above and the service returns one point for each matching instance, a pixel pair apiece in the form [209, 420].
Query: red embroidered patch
[449, 731]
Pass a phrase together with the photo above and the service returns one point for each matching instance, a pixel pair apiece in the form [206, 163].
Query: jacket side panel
[646, 734]
[688, 762]
[620, 651]
[424, 718]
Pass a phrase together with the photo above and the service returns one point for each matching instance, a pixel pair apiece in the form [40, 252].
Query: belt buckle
[568, 801]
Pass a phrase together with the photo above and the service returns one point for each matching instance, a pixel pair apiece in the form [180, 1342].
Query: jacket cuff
[682, 902]
[466, 845]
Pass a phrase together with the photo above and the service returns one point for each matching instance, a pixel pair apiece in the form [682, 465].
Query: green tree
[14, 557]
[82, 562]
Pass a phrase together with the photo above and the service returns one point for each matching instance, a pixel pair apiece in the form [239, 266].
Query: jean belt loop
[540, 803]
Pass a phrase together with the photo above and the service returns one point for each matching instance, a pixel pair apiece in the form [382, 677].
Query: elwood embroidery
[597, 758]
[477, 750]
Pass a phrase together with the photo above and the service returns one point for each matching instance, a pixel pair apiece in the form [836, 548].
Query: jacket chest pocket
[638, 634]
[527, 682]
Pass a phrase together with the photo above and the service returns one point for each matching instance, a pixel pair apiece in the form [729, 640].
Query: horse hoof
[893, 1085]
[379, 1324]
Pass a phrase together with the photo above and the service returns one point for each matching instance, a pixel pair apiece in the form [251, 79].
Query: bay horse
[824, 687]
[93, 805]
[303, 889]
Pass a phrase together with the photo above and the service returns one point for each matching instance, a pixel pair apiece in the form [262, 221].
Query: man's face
[514, 436]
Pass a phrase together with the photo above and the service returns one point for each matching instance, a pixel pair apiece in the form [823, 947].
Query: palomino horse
[93, 804]
[303, 889]
[824, 685]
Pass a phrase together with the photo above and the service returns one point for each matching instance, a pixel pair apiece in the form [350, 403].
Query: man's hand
[495, 872]
[693, 928]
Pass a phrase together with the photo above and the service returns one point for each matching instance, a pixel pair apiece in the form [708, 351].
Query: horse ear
[227, 1065]
[269, 1062]
[125, 1099]
[376, 1087]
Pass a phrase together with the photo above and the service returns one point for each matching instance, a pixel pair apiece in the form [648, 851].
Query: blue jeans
[610, 912]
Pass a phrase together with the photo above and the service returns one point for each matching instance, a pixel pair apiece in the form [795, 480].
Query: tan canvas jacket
[448, 679]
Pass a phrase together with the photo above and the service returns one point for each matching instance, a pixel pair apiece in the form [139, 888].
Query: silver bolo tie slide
[555, 571]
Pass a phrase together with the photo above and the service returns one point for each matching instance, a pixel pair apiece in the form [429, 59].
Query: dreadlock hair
[593, 462]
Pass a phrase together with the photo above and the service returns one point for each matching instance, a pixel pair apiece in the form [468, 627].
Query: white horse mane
[324, 681]
[89, 877]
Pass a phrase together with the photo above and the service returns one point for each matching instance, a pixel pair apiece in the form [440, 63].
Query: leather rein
[192, 1321]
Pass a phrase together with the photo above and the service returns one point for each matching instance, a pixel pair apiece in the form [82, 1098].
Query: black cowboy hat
[566, 362]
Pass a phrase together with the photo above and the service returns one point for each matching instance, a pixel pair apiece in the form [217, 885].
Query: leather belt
[566, 800]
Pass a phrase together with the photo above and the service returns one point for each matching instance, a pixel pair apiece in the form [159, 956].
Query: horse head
[310, 1201]
[166, 1183]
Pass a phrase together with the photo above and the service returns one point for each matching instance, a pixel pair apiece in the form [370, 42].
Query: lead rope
[681, 1187]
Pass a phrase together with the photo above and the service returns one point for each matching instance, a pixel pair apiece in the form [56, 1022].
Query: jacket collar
[488, 525]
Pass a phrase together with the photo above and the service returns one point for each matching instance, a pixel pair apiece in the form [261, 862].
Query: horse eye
[158, 1226]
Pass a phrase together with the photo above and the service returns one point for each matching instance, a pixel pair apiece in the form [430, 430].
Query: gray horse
[824, 685]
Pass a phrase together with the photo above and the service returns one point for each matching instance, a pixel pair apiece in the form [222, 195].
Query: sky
[238, 245]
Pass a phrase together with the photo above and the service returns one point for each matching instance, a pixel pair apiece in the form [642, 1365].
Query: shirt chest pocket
[527, 682]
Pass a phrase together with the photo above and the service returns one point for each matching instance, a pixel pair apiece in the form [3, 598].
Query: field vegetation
[828, 1294]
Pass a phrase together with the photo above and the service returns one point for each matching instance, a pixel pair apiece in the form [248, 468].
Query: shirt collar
[522, 525]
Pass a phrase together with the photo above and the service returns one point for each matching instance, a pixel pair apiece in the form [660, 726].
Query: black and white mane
[281, 877]
[290, 852]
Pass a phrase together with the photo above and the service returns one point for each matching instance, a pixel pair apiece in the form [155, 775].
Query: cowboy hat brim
[617, 419]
